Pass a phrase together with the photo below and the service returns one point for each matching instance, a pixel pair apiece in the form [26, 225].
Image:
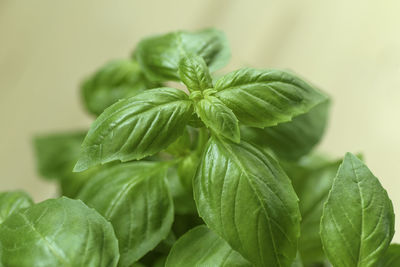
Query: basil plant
[221, 173]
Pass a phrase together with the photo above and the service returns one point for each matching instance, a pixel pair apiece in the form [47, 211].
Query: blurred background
[350, 49]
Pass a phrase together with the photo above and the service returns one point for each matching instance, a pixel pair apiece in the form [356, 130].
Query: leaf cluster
[222, 173]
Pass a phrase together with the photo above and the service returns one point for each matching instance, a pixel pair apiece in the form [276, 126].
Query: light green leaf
[159, 56]
[116, 80]
[357, 224]
[391, 258]
[13, 201]
[136, 127]
[293, 139]
[194, 73]
[263, 98]
[218, 118]
[134, 197]
[202, 247]
[58, 232]
[242, 193]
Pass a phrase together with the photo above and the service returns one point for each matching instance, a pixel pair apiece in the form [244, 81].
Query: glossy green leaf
[134, 197]
[58, 232]
[194, 73]
[136, 127]
[358, 220]
[391, 258]
[218, 118]
[116, 80]
[242, 193]
[13, 201]
[293, 139]
[202, 247]
[159, 56]
[262, 98]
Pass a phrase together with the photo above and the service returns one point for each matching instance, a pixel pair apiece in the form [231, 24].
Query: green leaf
[136, 127]
[242, 193]
[357, 224]
[391, 258]
[56, 155]
[312, 185]
[194, 73]
[159, 56]
[263, 98]
[293, 139]
[58, 232]
[202, 247]
[218, 118]
[13, 201]
[135, 198]
[116, 80]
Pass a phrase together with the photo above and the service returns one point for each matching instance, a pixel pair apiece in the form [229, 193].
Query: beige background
[350, 48]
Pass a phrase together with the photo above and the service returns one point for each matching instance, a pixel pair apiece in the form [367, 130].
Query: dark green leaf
[262, 98]
[194, 72]
[218, 118]
[136, 127]
[13, 201]
[242, 193]
[159, 56]
[134, 197]
[202, 247]
[293, 139]
[116, 80]
[358, 220]
[391, 258]
[58, 232]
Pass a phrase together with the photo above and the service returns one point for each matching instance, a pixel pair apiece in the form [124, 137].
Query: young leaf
[218, 118]
[357, 224]
[13, 201]
[262, 98]
[134, 197]
[293, 139]
[391, 258]
[118, 79]
[159, 56]
[194, 73]
[243, 194]
[202, 247]
[58, 232]
[136, 127]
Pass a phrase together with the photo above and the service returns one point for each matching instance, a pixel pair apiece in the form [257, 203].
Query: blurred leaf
[116, 80]
[12, 201]
[159, 55]
[293, 139]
